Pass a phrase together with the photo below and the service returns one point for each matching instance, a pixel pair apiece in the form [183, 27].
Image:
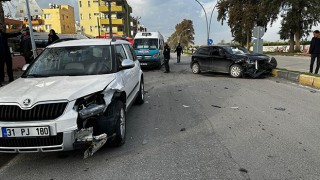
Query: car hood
[53, 88]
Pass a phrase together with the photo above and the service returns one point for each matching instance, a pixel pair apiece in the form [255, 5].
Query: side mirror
[25, 67]
[127, 64]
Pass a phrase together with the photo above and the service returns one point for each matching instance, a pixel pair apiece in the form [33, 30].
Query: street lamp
[205, 13]
[182, 32]
[211, 16]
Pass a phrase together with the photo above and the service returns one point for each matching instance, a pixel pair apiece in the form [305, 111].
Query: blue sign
[210, 41]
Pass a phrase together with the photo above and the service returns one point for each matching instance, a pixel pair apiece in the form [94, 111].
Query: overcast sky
[163, 15]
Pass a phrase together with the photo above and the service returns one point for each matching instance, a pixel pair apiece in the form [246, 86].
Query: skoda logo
[26, 102]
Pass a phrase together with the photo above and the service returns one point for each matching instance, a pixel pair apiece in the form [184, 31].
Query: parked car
[75, 94]
[235, 60]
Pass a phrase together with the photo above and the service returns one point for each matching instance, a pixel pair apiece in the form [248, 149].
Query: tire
[195, 68]
[140, 97]
[236, 71]
[120, 127]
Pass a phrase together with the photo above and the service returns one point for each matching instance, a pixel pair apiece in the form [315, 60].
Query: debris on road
[216, 106]
[280, 109]
[183, 129]
[185, 106]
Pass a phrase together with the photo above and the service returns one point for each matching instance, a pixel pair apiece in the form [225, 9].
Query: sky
[163, 15]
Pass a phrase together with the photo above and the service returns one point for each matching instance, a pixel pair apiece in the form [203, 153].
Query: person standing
[166, 54]
[314, 50]
[5, 54]
[52, 37]
[179, 51]
[26, 47]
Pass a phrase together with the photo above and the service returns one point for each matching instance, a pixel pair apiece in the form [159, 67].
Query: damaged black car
[235, 60]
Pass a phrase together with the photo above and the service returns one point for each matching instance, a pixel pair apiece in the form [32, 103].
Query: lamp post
[211, 16]
[33, 44]
[205, 13]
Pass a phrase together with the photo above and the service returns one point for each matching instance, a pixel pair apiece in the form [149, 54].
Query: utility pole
[33, 44]
[110, 20]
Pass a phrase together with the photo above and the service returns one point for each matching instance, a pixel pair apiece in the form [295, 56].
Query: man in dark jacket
[52, 37]
[166, 54]
[26, 47]
[5, 54]
[179, 51]
[314, 50]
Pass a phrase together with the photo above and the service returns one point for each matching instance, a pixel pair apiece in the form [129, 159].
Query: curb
[302, 79]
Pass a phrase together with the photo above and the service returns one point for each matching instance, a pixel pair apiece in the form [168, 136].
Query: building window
[62, 17]
[90, 28]
[46, 16]
[81, 16]
[68, 27]
[64, 27]
[80, 4]
[88, 3]
[67, 17]
[48, 27]
[89, 15]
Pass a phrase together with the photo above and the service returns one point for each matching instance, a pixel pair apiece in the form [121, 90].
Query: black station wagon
[235, 60]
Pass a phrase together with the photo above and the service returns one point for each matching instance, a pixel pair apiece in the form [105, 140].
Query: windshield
[72, 61]
[236, 50]
[145, 44]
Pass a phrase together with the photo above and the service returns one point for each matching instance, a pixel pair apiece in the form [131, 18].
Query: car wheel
[195, 68]
[120, 128]
[236, 71]
[140, 97]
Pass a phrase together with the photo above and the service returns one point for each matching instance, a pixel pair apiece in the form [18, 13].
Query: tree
[298, 18]
[184, 32]
[244, 15]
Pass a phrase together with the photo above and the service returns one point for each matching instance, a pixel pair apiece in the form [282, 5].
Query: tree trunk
[291, 48]
[297, 38]
[2, 24]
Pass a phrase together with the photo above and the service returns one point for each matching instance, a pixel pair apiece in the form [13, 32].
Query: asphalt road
[294, 63]
[206, 126]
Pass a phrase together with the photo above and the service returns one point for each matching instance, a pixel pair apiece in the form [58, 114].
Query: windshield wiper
[37, 75]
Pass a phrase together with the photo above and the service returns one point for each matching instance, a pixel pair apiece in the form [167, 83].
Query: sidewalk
[296, 69]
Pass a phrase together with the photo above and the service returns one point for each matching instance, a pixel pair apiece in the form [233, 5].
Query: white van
[148, 47]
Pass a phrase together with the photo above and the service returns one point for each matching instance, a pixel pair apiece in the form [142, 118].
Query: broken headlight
[250, 61]
[90, 105]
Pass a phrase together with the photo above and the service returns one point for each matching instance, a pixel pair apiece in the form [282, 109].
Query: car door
[136, 70]
[220, 62]
[127, 75]
[204, 58]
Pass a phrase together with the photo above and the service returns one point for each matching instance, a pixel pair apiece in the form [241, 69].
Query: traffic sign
[210, 41]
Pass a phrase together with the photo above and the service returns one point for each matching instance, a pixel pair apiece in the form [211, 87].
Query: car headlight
[250, 61]
[90, 105]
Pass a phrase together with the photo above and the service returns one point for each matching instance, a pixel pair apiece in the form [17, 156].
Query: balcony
[113, 8]
[34, 22]
[114, 21]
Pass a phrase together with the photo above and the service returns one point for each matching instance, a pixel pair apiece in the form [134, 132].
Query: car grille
[39, 112]
[32, 142]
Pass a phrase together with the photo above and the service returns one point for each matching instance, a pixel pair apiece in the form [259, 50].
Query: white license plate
[25, 131]
[143, 64]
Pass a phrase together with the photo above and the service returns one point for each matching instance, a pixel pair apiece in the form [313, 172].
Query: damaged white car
[74, 95]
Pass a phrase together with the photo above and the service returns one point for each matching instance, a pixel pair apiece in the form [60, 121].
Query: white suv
[74, 95]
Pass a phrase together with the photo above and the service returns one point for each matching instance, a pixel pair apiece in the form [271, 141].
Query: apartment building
[60, 18]
[94, 17]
